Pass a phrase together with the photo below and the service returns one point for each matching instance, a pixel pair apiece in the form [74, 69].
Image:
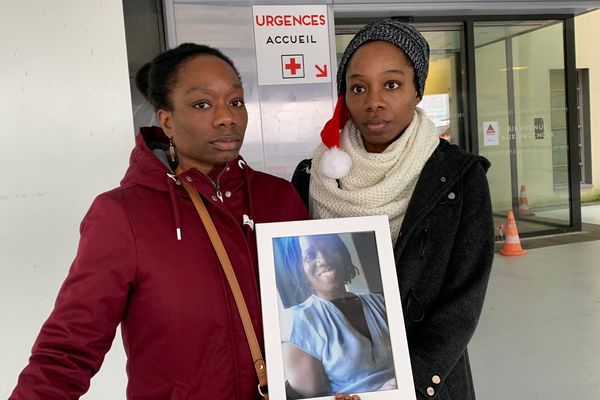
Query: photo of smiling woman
[334, 328]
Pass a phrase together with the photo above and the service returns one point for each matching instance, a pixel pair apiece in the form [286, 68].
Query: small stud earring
[171, 150]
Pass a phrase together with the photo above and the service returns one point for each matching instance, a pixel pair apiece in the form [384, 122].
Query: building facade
[503, 83]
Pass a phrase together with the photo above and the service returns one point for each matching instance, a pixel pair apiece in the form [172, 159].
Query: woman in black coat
[388, 160]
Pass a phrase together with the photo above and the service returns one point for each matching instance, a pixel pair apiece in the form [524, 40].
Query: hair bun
[142, 79]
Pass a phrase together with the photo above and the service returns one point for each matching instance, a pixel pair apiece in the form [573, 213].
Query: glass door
[522, 120]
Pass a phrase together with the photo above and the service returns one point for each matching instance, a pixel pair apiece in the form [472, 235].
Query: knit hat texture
[401, 35]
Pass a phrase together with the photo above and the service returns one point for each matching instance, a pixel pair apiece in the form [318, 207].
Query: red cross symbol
[293, 66]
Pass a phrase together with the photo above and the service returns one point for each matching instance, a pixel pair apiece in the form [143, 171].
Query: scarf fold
[378, 183]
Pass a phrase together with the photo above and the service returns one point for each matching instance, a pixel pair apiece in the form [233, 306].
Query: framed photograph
[331, 310]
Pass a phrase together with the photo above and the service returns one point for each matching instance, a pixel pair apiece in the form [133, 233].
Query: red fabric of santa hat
[335, 163]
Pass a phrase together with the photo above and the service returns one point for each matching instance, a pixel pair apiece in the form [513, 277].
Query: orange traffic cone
[524, 209]
[512, 243]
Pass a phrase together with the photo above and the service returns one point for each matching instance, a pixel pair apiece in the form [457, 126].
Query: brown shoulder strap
[259, 362]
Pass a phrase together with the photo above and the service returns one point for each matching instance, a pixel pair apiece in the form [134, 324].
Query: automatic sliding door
[521, 111]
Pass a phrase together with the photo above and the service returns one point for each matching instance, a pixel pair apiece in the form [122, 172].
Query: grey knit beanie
[401, 35]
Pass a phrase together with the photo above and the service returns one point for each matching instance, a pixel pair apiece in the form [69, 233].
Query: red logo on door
[292, 66]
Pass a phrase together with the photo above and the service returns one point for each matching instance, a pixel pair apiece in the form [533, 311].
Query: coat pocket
[414, 308]
[417, 246]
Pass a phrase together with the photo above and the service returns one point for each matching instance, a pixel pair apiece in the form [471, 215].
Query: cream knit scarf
[378, 183]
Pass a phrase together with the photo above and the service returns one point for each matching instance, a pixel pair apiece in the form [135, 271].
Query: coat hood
[148, 163]
[149, 166]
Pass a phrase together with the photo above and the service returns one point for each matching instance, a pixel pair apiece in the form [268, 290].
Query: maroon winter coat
[181, 329]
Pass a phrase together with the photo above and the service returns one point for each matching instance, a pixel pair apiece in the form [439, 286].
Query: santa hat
[335, 163]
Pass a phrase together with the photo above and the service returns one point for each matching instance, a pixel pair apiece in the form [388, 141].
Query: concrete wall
[67, 133]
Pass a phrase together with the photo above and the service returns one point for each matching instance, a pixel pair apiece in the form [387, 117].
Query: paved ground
[538, 334]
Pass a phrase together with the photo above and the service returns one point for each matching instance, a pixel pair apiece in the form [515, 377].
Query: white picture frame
[365, 238]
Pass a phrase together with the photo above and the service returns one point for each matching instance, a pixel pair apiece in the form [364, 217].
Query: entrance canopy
[383, 8]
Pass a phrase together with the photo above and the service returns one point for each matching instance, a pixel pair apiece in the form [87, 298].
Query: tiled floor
[538, 334]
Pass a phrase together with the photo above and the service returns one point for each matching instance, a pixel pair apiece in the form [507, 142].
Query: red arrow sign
[322, 71]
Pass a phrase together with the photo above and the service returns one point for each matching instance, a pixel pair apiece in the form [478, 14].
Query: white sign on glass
[491, 133]
[292, 44]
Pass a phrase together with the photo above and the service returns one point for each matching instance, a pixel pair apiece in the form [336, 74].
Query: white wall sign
[292, 44]
[491, 133]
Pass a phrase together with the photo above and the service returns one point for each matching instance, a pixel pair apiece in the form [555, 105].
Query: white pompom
[335, 163]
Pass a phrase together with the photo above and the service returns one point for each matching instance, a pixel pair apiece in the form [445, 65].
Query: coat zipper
[217, 183]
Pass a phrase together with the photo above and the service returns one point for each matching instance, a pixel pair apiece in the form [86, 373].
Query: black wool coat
[443, 256]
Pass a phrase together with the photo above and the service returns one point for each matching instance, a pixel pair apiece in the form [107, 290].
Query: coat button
[228, 194]
[189, 179]
[443, 179]
[214, 198]
[451, 196]
[436, 379]
[430, 391]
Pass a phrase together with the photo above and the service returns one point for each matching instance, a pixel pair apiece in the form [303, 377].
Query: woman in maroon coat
[145, 261]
